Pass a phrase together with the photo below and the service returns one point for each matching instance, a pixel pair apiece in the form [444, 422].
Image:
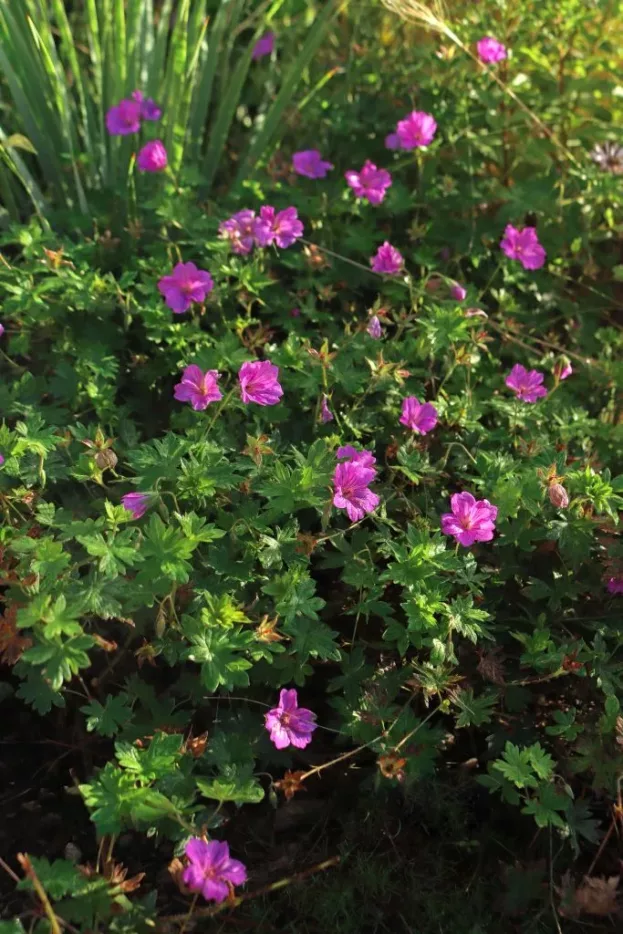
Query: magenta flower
[526, 384]
[282, 228]
[136, 503]
[211, 869]
[152, 157]
[148, 107]
[416, 130]
[310, 163]
[264, 46]
[289, 724]
[1, 459]
[374, 328]
[563, 369]
[420, 417]
[240, 231]
[471, 520]
[124, 118]
[387, 260]
[457, 292]
[524, 246]
[198, 388]
[369, 183]
[1, 330]
[185, 285]
[350, 488]
[259, 382]
[615, 585]
[326, 415]
[490, 50]
[365, 458]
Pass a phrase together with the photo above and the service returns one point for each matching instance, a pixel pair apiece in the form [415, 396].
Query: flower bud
[558, 496]
[106, 458]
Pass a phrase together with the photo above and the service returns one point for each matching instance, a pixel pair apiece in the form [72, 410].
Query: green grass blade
[134, 49]
[17, 166]
[174, 86]
[224, 117]
[28, 86]
[68, 47]
[274, 118]
[210, 57]
[56, 81]
[159, 54]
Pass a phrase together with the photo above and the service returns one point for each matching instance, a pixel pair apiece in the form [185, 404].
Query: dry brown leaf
[290, 784]
[594, 896]
[490, 667]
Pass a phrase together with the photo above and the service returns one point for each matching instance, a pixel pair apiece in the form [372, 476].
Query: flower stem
[219, 409]
[29, 870]
[189, 915]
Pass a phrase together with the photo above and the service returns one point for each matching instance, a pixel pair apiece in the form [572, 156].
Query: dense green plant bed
[311, 469]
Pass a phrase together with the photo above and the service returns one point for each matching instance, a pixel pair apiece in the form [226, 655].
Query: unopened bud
[558, 496]
[106, 458]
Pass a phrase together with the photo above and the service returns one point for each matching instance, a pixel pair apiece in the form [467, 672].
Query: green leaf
[60, 660]
[115, 552]
[236, 784]
[220, 654]
[516, 766]
[474, 710]
[159, 760]
[58, 878]
[108, 719]
[166, 550]
[545, 805]
[313, 639]
[36, 691]
[221, 611]
[541, 761]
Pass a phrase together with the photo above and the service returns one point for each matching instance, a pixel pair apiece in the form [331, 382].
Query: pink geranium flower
[310, 163]
[523, 245]
[563, 368]
[211, 870]
[490, 50]
[137, 503]
[280, 227]
[240, 231]
[387, 260]
[198, 388]
[471, 520]
[152, 157]
[326, 415]
[416, 130]
[420, 417]
[124, 118]
[457, 292]
[374, 328]
[149, 108]
[369, 182]
[289, 724]
[264, 46]
[185, 285]
[350, 489]
[348, 452]
[615, 585]
[259, 382]
[526, 384]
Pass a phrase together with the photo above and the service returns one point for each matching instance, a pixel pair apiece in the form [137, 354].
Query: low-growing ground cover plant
[310, 548]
